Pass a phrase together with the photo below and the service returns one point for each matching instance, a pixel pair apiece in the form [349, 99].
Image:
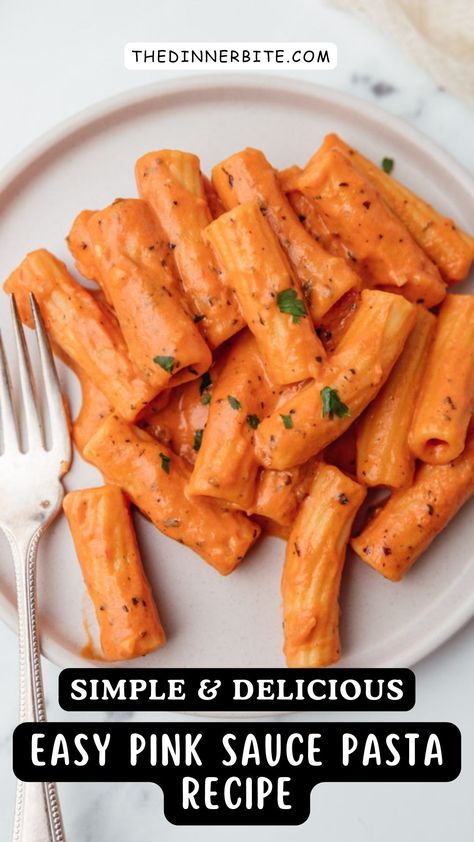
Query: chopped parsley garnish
[165, 463]
[332, 404]
[288, 302]
[287, 421]
[387, 165]
[166, 363]
[205, 382]
[197, 439]
[198, 318]
[235, 404]
[206, 399]
[253, 421]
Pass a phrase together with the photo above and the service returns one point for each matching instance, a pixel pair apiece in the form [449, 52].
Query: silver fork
[30, 496]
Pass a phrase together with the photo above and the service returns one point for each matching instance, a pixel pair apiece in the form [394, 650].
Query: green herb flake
[198, 318]
[287, 421]
[288, 302]
[205, 382]
[197, 440]
[387, 165]
[332, 404]
[253, 421]
[166, 363]
[235, 404]
[206, 399]
[165, 463]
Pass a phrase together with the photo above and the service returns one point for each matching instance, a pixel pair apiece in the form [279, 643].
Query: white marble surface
[63, 57]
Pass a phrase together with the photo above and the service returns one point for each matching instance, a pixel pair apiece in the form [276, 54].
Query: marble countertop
[62, 62]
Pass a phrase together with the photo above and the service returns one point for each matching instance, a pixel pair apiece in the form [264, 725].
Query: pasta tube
[308, 214]
[280, 493]
[450, 248]
[248, 177]
[443, 409]
[386, 255]
[107, 549]
[156, 480]
[171, 183]
[139, 236]
[226, 466]
[180, 424]
[413, 516]
[160, 335]
[383, 455]
[324, 409]
[82, 328]
[269, 294]
[313, 568]
[94, 410]
[80, 246]
[185, 168]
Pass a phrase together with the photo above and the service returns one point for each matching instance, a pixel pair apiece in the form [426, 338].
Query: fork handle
[37, 810]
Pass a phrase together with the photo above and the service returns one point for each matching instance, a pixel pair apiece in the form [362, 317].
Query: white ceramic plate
[210, 620]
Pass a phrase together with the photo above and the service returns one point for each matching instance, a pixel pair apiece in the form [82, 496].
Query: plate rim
[205, 83]
[107, 106]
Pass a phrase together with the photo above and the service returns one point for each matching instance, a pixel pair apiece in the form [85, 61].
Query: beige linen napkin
[439, 34]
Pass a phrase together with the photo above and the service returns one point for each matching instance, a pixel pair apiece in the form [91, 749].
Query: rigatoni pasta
[107, 549]
[280, 493]
[226, 466]
[313, 567]
[446, 397]
[261, 352]
[181, 421]
[95, 408]
[310, 216]
[171, 183]
[380, 247]
[82, 328]
[247, 176]
[80, 246]
[131, 229]
[325, 408]
[383, 454]
[407, 524]
[161, 338]
[269, 294]
[447, 245]
[156, 480]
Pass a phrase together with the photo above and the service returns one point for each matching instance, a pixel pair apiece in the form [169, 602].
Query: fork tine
[59, 426]
[7, 412]
[32, 418]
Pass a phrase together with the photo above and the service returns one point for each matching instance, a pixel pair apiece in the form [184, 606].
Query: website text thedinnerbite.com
[147, 55]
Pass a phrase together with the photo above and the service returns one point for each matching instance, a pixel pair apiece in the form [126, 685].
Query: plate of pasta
[258, 294]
